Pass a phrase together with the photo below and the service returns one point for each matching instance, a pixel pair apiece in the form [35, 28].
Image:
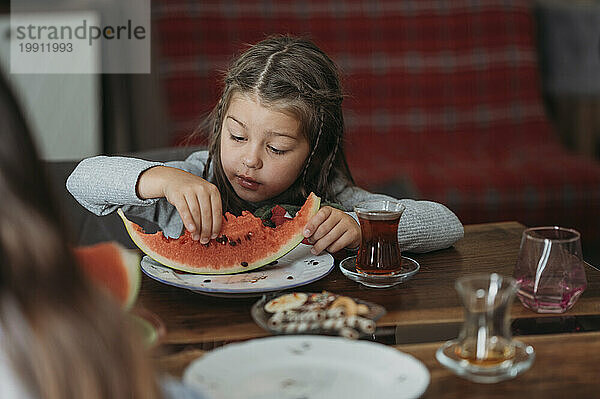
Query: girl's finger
[184, 213]
[341, 242]
[207, 218]
[325, 227]
[326, 241]
[316, 221]
[196, 214]
[217, 214]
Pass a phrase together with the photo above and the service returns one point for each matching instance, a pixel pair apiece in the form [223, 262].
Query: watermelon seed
[315, 262]
[232, 243]
[248, 236]
[206, 245]
[290, 277]
[239, 240]
[207, 281]
[222, 239]
[245, 264]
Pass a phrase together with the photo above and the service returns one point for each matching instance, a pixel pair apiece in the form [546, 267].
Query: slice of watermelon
[244, 244]
[113, 267]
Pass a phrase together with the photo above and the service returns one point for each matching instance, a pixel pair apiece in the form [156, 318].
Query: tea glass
[379, 253]
[484, 350]
[550, 269]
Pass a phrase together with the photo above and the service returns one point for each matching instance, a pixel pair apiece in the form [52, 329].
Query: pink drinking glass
[550, 269]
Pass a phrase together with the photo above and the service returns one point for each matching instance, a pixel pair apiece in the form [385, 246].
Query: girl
[276, 134]
[60, 338]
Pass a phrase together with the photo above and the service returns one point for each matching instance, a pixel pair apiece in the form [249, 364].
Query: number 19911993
[46, 47]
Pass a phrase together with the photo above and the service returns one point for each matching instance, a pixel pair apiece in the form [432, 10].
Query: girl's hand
[333, 230]
[197, 201]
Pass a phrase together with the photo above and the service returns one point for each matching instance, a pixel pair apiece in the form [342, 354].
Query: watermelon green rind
[131, 261]
[296, 225]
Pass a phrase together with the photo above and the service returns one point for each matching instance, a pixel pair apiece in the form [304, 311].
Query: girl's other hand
[197, 201]
[332, 230]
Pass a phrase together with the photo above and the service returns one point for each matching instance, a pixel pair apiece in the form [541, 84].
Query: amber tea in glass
[485, 350]
[489, 353]
[379, 253]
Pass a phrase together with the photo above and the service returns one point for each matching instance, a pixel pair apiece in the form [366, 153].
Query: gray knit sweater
[103, 184]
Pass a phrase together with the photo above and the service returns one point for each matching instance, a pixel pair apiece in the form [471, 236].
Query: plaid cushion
[446, 93]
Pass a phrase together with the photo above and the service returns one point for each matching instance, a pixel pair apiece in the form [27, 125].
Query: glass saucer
[148, 326]
[409, 268]
[510, 368]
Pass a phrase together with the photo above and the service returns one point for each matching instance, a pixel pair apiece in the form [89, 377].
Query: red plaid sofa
[443, 97]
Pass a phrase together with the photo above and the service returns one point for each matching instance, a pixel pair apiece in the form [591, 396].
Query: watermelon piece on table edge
[99, 264]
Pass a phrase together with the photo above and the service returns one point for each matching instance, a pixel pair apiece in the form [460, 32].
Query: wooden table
[565, 363]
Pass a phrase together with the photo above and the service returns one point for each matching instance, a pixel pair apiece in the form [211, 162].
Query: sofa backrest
[419, 75]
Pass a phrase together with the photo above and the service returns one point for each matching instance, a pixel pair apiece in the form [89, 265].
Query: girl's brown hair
[294, 75]
[63, 338]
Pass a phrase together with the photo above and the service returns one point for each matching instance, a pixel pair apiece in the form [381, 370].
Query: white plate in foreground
[298, 267]
[310, 367]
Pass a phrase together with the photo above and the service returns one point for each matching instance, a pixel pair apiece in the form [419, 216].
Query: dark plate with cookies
[316, 313]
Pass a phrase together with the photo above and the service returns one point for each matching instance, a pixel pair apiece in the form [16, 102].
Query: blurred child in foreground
[60, 337]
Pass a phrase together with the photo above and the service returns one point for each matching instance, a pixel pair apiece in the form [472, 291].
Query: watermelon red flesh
[114, 268]
[244, 243]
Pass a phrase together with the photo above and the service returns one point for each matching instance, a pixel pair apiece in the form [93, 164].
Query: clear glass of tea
[485, 350]
[379, 252]
[550, 269]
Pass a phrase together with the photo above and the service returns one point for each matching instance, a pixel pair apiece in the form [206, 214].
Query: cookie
[286, 302]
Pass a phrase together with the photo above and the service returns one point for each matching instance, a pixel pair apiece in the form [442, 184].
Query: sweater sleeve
[104, 184]
[424, 226]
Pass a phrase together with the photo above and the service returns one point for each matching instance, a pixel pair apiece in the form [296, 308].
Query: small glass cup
[550, 269]
[484, 350]
[379, 252]
[148, 326]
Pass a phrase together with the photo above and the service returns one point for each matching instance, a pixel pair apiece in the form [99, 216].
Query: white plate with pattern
[298, 267]
[310, 367]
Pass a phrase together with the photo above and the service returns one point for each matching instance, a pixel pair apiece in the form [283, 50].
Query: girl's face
[262, 149]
